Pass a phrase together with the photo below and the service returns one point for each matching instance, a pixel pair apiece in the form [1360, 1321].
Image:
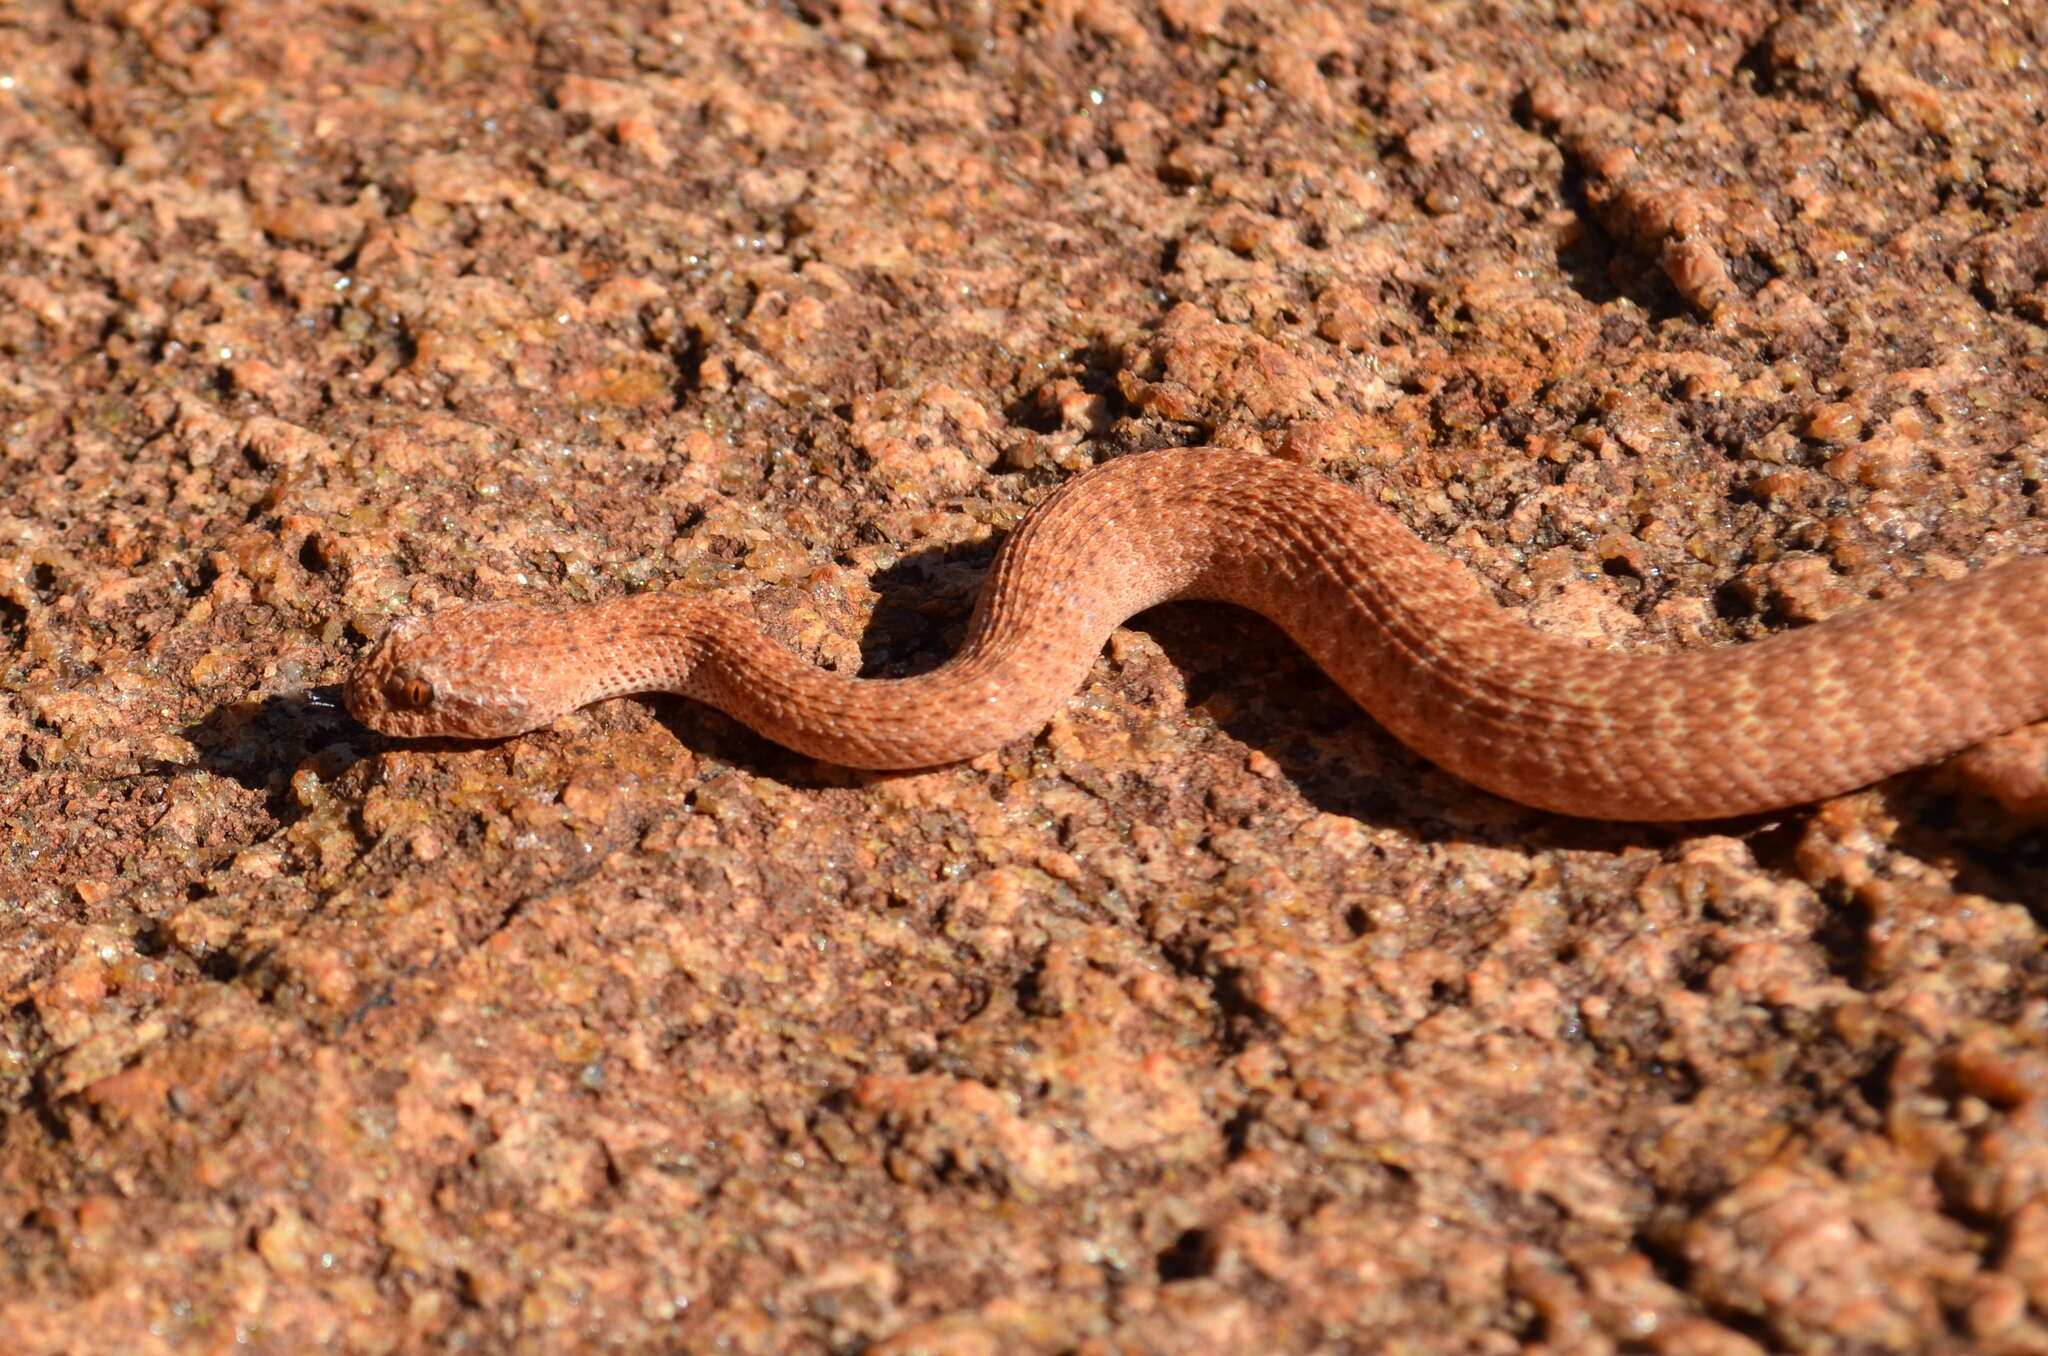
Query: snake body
[1408, 632]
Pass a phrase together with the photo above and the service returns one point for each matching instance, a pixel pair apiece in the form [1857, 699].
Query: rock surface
[1210, 1019]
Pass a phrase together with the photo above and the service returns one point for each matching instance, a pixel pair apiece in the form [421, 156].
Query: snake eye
[415, 693]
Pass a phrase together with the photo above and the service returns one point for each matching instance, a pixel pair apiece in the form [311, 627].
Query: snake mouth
[367, 701]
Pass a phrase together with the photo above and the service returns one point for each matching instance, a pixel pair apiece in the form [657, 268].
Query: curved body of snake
[1409, 633]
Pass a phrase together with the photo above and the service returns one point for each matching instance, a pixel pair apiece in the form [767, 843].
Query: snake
[1406, 630]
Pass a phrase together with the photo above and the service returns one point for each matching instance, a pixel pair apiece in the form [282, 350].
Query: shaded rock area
[1208, 1020]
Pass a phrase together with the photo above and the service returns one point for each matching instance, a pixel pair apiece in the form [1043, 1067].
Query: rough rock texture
[1209, 1019]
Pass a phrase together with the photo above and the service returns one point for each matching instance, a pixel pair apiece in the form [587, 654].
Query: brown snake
[1409, 633]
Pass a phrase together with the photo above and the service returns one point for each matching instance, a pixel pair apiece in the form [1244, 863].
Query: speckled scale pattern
[1409, 633]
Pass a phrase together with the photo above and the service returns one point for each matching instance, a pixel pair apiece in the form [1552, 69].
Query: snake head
[461, 673]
